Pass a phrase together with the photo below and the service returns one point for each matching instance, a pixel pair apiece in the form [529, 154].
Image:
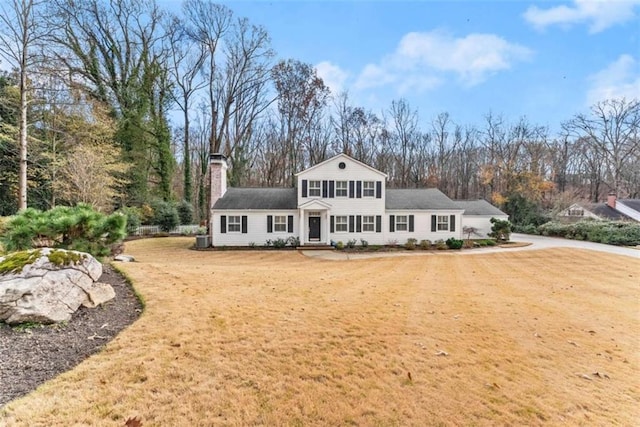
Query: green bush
[500, 229]
[454, 243]
[133, 216]
[351, 243]
[364, 243]
[279, 243]
[526, 229]
[340, 245]
[165, 215]
[440, 244]
[185, 212]
[79, 228]
[609, 232]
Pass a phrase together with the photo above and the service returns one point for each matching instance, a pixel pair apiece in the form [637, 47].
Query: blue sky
[545, 60]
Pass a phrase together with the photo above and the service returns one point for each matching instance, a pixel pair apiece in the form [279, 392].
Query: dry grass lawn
[275, 338]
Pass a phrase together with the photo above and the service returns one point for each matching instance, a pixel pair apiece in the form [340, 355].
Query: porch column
[301, 228]
[327, 240]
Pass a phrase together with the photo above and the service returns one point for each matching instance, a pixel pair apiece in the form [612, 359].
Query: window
[234, 224]
[402, 223]
[342, 224]
[280, 223]
[368, 223]
[443, 223]
[341, 189]
[576, 212]
[315, 188]
[368, 189]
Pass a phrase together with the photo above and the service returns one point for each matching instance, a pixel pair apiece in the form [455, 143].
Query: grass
[274, 338]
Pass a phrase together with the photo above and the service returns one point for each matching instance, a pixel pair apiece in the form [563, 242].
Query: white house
[613, 209]
[340, 199]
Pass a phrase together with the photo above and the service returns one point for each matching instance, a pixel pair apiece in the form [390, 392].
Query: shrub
[166, 216]
[79, 228]
[279, 243]
[392, 243]
[440, 244]
[609, 232]
[339, 245]
[294, 241]
[351, 243]
[411, 243]
[454, 243]
[185, 212]
[425, 244]
[525, 229]
[133, 218]
[500, 229]
[364, 243]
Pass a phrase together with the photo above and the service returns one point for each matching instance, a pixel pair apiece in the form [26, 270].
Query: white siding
[256, 228]
[482, 223]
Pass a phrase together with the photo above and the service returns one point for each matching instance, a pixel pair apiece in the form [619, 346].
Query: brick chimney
[218, 168]
[611, 200]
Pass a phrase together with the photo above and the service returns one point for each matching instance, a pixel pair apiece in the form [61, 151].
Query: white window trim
[313, 188]
[442, 222]
[340, 223]
[365, 189]
[346, 188]
[404, 223]
[372, 223]
[230, 223]
[276, 223]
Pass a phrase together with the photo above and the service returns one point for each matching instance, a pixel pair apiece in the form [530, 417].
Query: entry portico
[314, 222]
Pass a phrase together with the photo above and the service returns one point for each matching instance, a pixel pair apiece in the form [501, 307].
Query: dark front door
[314, 228]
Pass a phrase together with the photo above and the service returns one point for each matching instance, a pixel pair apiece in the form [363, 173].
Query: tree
[500, 229]
[19, 32]
[612, 128]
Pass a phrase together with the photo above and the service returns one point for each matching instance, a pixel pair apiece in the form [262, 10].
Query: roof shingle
[258, 199]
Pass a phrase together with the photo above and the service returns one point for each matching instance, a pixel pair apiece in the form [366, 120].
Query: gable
[342, 166]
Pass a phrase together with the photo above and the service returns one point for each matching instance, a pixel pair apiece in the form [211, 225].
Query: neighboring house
[340, 199]
[611, 210]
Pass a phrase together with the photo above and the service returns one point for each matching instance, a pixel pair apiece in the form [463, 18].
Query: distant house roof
[604, 211]
[258, 199]
[478, 207]
[420, 199]
[632, 203]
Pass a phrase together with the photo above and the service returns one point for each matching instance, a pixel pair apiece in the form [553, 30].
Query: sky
[544, 60]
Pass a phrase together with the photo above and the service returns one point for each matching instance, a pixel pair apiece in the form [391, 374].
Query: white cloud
[619, 79]
[422, 60]
[598, 14]
[332, 75]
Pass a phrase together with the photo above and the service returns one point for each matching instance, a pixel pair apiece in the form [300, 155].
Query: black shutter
[359, 224]
[333, 223]
[290, 224]
[325, 189]
[378, 223]
[244, 224]
[332, 189]
[304, 188]
[392, 223]
[452, 227]
[352, 192]
[223, 223]
[411, 223]
[433, 223]
[359, 189]
[351, 223]
[269, 223]
[378, 189]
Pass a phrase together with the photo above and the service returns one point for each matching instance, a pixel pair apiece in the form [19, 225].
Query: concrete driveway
[536, 242]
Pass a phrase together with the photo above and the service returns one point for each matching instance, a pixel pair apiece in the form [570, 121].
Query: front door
[314, 228]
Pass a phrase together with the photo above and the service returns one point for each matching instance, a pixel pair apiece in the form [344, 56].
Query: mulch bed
[31, 355]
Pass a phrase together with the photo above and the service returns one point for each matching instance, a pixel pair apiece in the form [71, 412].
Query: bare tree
[19, 32]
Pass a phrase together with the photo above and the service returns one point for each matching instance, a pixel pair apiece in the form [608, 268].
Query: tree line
[120, 103]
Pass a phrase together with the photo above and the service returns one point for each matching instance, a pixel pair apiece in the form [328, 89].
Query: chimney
[611, 200]
[218, 169]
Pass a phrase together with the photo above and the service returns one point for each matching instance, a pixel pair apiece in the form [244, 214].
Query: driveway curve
[536, 243]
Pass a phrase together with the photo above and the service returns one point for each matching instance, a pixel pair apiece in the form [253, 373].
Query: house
[612, 210]
[340, 199]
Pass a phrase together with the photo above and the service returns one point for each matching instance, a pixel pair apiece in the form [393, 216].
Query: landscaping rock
[48, 285]
[124, 258]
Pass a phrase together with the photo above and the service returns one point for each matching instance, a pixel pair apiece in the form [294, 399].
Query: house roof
[418, 198]
[257, 199]
[478, 207]
[631, 203]
[345, 157]
[604, 211]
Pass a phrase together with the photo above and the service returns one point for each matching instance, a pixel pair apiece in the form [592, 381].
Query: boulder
[48, 285]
